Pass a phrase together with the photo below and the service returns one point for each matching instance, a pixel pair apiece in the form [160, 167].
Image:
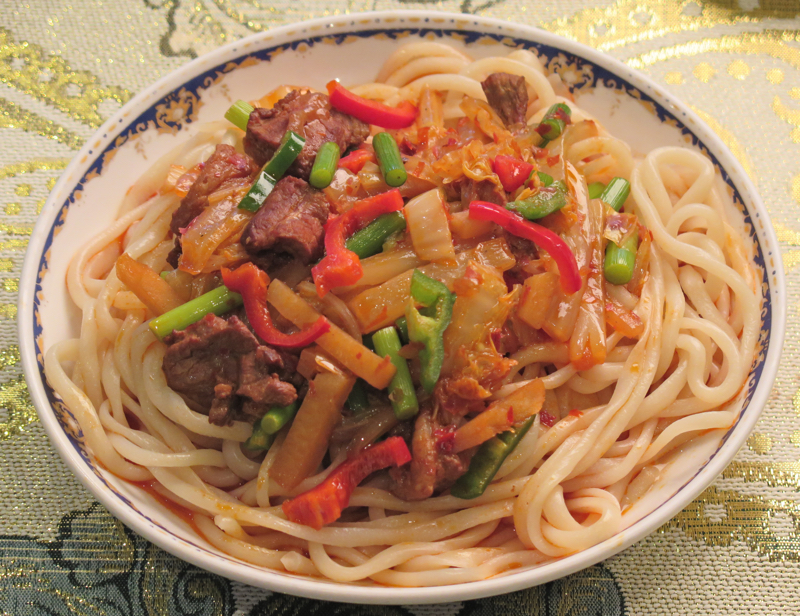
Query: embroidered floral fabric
[65, 66]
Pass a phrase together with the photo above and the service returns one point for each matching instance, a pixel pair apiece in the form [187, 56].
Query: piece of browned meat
[290, 221]
[482, 190]
[219, 367]
[432, 468]
[259, 383]
[508, 96]
[223, 165]
[310, 115]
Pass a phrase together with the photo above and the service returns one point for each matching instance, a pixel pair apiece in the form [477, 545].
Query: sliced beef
[310, 115]
[219, 368]
[223, 165]
[526, 259]
[483, 190]
[432, 468]
[259, 382]
[174, 256]
[508, 96]
[284, 360]
[290, 221]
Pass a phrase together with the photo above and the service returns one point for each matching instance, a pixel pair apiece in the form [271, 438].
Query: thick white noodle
[564, 487]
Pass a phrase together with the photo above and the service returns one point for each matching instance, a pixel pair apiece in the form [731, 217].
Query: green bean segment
[553, 123]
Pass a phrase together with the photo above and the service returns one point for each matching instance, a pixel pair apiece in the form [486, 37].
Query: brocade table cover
[66, 65]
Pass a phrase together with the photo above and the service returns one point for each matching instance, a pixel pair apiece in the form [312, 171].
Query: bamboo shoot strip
[151, 289]
[307, 440]
[377, 371]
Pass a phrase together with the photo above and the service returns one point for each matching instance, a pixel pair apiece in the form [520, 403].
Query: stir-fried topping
[391, 285]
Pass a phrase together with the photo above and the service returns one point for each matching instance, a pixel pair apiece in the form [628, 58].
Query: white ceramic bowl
[352, 48]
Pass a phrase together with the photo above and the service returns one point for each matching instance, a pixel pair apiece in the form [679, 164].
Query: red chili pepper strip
[340, 266]
[539, 235]
[356, 160]
[251, 283]
[369, 111]
[324, 504]
[512, 172]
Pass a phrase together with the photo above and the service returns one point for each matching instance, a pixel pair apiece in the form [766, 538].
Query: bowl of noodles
[403, 308]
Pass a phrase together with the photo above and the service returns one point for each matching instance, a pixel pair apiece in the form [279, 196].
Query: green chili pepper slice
[546, 200]
[401, 389]
[488, 460]
[428, 326]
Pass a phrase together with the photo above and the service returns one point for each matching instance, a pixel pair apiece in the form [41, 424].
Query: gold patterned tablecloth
[66, 65]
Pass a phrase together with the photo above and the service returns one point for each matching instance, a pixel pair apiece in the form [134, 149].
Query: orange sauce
[185, 514]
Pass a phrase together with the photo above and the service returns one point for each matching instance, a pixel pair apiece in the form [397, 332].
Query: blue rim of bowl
[605, 70]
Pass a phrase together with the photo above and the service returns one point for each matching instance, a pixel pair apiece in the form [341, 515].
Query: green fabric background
[67, 65]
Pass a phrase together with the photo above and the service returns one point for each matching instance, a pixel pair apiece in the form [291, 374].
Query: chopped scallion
[616, 193]
[218, 301]
[259, 440]
[324, 165]
[284, 156]
[401, 389]
[369, 240]
[596, 189]
[277, 417]
[620, 260]
[239, 113]
[389, 159]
